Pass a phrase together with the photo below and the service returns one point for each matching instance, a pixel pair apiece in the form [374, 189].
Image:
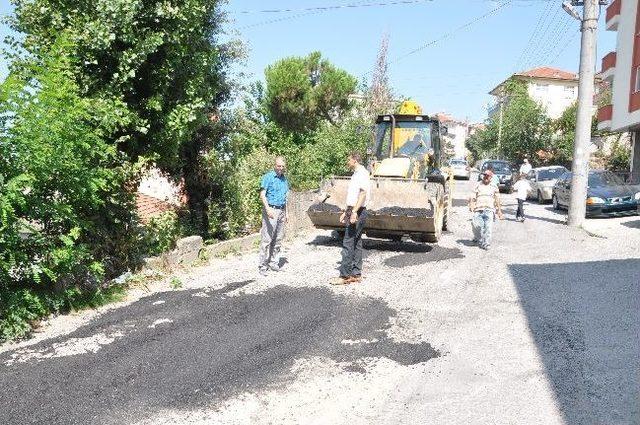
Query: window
[569, 92]
[637, 85]
[542, 88]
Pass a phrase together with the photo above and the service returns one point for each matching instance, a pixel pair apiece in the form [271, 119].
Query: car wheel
[540, 198]
[554, 200]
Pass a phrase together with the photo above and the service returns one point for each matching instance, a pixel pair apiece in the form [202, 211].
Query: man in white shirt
[522, 189]
[525, 168]
[484, 203]
[354, 218]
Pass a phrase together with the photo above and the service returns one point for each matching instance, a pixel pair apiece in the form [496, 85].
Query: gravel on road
[542, 329]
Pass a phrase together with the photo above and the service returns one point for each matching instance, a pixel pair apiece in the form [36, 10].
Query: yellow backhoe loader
[410, 188]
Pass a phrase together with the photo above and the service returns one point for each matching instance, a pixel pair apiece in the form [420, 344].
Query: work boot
[342, 280]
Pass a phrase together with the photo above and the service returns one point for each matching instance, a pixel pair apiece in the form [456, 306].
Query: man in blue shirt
[273, 194]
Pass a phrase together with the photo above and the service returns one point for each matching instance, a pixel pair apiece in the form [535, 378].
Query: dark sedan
[503, 170]
[607, 194]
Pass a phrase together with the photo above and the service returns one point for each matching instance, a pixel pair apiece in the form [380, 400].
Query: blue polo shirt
[276, 188]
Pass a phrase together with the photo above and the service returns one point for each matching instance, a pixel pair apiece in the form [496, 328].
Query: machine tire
[445, 219]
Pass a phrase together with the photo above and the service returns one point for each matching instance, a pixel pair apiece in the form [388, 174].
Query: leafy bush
[67, 212]
[619, 158]
[162, 232]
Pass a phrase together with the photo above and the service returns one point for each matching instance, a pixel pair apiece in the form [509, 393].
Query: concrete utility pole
[500, 129]
[580, 165]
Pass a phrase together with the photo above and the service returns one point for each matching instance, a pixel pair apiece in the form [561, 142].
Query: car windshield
[498, 167]
[551, 173]
[606, 178]
[463, 163]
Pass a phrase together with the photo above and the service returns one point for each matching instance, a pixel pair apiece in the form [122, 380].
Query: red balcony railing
[614, 9]
[609, 61]
[605, 113]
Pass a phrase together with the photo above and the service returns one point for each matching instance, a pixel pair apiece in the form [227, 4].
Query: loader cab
[412, 141]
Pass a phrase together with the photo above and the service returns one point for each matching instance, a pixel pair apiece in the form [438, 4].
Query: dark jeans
[520, 211]
[352, 246]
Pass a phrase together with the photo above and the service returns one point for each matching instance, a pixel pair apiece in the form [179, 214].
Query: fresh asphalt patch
[409, 259]
[184, 350]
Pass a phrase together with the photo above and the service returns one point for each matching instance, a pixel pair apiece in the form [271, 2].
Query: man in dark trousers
[354, 218]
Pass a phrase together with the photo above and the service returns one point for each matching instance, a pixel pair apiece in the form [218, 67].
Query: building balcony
[613, 15]
[608, 67]
[605, 114]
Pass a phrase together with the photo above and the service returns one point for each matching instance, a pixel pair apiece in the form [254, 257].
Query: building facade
[457, 134]
[620, 110]
[553, 89]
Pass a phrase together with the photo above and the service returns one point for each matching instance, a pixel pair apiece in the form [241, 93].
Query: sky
[445, 54]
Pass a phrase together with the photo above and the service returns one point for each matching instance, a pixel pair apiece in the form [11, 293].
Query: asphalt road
[542, 329]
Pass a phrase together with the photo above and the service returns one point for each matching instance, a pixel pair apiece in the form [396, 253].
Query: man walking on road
[273, 194]
[484, 202]
[354, 218]
[525, 168]
[522, 189]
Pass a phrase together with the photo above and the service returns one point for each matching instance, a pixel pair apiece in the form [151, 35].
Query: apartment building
[554, 89]
[620, 111]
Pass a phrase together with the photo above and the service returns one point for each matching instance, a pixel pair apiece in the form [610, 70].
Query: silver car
[460, 168]
[542, 180]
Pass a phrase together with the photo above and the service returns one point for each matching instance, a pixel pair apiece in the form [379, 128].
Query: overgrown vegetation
[97, 90]
[67, 218]
[100, 90]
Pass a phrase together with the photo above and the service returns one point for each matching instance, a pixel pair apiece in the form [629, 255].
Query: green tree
[66, 206]
[161, 59]
[564, 127]
[301, 92]
[526, 129]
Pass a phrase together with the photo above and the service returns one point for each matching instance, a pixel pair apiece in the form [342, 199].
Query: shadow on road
[459, 202]
[375, 244]
[184, 350]
[632, 224]
[438, 253]
[512, 214]
[585, 319]
[467, 242]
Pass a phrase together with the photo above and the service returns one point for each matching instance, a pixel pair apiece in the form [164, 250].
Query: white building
[457, 134]
[555, 90]
[621, 69]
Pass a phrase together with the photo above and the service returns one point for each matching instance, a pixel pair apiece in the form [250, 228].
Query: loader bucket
[398, 207]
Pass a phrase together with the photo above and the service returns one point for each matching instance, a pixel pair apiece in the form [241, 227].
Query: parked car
[504, 170]
[607, 195]
[542, 181]
[460, 168]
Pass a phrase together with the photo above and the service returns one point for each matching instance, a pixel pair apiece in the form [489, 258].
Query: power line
[558, 35]
[568, 43]
[534, 54]
[360, 4]
[334, 7]
[318, 10]
[526, 49]
[452, 32]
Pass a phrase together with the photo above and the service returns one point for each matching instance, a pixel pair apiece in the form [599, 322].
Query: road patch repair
[212, 349]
